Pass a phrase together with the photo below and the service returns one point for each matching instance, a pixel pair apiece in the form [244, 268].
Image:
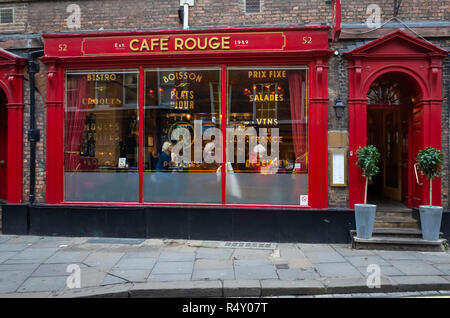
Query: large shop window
[267, 141]
[182, 113]
[101, 136]
[266, 150]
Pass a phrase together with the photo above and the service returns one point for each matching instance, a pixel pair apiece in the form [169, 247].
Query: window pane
[101, 136]
[182, 137]
[267, 151]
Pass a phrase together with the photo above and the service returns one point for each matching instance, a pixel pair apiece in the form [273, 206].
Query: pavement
[34, 266]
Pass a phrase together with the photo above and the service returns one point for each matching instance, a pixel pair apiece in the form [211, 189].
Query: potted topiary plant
[365, 213]
[429, 162]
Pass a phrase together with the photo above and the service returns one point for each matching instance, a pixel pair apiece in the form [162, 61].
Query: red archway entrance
[11, 130]
[410, 60]
[395, 131]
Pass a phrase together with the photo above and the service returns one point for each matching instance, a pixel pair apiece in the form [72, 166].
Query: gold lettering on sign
[101, 77]
[182, 76]
[267, 74]
[180, 44]
[259, 97]
[182, 99]
[267, 121]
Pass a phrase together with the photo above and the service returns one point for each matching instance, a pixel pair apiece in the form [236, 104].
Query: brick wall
[20, 18]
[51, 16]
[40, 114]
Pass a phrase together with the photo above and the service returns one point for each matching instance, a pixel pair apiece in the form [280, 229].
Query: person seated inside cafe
[165, 160]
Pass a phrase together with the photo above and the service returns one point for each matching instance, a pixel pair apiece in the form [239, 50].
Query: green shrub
[430, 164]
[368, 158]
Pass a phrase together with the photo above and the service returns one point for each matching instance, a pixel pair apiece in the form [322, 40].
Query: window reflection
[267, 136]
[181, 130]
[101, 136]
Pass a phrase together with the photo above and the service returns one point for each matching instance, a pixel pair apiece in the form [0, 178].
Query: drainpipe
[186, 4]
[33, 133]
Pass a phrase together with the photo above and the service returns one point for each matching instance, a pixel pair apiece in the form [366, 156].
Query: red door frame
[316, 60]
[416, 59]
[11, 82]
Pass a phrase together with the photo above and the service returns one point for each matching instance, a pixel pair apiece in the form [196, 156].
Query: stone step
[396, 232]
[396, 222]
[398, 243]
[407, 213]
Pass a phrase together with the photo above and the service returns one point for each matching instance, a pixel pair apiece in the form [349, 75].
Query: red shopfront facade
[168, 134]
[175, 76]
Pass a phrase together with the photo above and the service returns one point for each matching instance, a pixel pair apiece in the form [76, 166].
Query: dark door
[416, 145]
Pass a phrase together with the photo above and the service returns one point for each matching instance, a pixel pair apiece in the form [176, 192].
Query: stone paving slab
[68, 257]
[133, 275]
[213, 274]
[169, 256]
[173, 268]
[254, 269]
[103, 259]
[297, 274]
[37, 266]
[16, 247]
[335, 270]
[46, 270]
[19, 267]
[10, 281]
[42, 284]
[214, 253]
[359, 261]
[397, 255]
[6, 255]
[384, 270]
[169, 277]
[136, 263]
[35, 253]
[317, 257]
[416, 268]
[143, 253]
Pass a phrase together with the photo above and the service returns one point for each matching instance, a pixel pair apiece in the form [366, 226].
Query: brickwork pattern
[51, 16]
[40, 114]
[20, 18]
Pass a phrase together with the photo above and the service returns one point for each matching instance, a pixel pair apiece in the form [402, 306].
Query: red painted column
[357, 132]
[55, 133]
[318, 135]
[141, 134]
[432, 138]
[357, 136]
[15, 134]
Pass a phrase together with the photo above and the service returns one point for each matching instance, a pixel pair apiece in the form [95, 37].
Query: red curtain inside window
[298, 118]
[75, 120]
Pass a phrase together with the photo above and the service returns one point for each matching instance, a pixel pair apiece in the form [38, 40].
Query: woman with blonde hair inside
[165, 160]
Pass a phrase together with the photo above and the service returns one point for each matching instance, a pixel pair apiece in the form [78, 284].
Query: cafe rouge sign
[139, 43]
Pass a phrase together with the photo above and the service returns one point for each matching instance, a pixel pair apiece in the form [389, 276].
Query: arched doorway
[390, 128]
[3, 146]
[417, 66]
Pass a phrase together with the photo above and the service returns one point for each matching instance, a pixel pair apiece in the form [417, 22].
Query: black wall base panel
[195, 223]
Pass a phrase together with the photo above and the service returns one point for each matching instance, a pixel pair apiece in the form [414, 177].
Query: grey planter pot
[430, 221]
[365, 218]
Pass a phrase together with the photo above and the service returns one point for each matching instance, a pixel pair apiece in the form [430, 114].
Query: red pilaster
[317, 134]
[55, 133]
